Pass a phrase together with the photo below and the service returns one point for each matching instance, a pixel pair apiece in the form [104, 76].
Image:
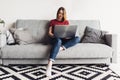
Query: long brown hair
[64, 13]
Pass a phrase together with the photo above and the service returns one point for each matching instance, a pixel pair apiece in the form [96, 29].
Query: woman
[59, 43]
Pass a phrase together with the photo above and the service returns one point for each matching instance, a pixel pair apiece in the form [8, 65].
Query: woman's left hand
[68, 38]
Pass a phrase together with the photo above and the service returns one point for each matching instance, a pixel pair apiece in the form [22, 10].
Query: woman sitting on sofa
[59, 43]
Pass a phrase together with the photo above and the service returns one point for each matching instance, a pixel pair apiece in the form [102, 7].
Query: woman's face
[60, 15]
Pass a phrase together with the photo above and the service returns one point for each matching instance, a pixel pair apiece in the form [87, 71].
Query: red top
[56, 22]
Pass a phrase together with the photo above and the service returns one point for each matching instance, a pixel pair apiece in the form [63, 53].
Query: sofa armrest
[111, 40]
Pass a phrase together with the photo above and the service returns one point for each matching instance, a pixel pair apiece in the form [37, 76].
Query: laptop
[63, 31]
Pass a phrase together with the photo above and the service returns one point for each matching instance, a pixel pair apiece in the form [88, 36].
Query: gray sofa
[37, 53]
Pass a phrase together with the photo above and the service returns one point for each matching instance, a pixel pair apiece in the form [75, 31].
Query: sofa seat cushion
[26, 51]
[40, 51]
[87, 50]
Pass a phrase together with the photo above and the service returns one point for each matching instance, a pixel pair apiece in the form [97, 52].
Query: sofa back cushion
[39, 28]
[82, 25]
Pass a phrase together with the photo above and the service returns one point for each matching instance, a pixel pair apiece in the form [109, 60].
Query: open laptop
[62, 31]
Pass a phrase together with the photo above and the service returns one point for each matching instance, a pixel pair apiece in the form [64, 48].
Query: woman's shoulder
[66, 21]
[52, 22]
[56, 20]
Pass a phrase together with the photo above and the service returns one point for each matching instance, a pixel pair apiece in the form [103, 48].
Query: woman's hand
[68, 38]
[51, 35]
[50, 32]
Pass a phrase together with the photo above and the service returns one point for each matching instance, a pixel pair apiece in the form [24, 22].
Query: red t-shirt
[56, 22]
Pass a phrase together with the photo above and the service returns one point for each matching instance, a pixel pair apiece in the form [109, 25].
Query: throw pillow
[9, 37]
[92, 35]
[2, 40]
[6, 38]
[23, 36]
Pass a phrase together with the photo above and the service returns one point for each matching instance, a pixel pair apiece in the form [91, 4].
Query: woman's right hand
[50, 32]
[51, 35]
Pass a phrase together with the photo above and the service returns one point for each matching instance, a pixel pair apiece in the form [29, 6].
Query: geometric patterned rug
[59, 72]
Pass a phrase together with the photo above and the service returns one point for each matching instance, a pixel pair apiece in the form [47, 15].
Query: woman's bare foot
[49, 69]
[61, 49]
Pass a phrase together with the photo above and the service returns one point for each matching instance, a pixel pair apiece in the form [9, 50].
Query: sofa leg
[2, 63]
[108, 64]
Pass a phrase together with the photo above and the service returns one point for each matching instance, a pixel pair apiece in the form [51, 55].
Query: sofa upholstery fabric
[41, 51]
[38, 53]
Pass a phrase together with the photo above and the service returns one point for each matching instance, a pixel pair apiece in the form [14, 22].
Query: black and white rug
[59, 72]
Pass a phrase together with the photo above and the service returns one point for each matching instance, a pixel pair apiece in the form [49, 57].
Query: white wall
[107, 11]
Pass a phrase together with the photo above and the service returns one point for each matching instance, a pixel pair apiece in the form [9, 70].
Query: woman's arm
[50, 32]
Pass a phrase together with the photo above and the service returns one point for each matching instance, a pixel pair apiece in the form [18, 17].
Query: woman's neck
[59, 19]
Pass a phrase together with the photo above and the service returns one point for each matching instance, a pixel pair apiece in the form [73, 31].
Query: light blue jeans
[58, 42]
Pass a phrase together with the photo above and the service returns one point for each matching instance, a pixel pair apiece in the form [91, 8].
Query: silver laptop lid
[63, 31]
